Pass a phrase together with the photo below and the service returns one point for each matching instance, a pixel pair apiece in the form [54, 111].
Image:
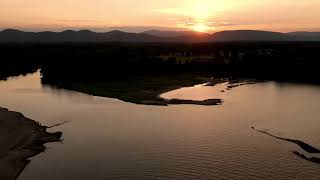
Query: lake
[107, 138]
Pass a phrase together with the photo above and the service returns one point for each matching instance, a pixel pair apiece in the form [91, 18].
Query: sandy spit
[20, 139]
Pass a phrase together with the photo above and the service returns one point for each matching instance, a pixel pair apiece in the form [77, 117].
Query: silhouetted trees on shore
[288, 61]
[16, 60]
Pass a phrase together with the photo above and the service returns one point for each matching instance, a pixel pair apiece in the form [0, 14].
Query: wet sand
[20, 139]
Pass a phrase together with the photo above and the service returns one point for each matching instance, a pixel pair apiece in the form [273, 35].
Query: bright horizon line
[140, 15]
[123, 29]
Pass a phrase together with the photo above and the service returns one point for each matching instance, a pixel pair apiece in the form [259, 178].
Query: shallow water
[110, 139]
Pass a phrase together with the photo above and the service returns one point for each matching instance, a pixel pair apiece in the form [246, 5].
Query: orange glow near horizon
[200, 27]
[137, 15]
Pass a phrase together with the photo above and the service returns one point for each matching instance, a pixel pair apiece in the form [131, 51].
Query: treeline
[17, 60]
[289, 61]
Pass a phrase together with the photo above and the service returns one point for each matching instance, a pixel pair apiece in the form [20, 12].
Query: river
[105, 138]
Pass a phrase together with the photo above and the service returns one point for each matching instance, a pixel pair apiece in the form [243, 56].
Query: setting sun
[178, 15]
[201, 27]
[159, 89]
[197, 15]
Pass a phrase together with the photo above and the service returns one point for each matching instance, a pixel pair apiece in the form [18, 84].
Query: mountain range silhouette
[12, 35]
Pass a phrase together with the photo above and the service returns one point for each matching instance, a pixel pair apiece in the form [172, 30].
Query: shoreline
[21, 139]
[144, 92]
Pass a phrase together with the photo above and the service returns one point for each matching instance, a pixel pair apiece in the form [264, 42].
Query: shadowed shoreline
[306, 147]
[311, 159]
[20, 139]
[144, 90]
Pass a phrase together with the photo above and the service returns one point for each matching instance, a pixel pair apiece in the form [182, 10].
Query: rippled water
[110, 139]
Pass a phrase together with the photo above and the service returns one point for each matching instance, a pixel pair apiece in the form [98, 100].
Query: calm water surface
[110, 139]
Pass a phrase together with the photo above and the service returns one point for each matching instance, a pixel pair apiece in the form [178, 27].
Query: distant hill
[306, 36]
[237, 35]
[250, 35]
[12, 35]
[305, 33]
[171, 34]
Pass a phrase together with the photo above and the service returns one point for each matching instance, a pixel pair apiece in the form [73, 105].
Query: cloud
[76, 21]
[172, 11]
[210, 25]
[219, 24]
[136, 29]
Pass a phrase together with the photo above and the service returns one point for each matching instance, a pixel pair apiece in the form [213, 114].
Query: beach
[20, 139]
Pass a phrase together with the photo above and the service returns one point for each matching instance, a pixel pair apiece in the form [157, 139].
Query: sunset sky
[139, 15]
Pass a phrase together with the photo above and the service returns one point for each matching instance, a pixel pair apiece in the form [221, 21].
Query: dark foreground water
[109, 139]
